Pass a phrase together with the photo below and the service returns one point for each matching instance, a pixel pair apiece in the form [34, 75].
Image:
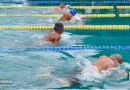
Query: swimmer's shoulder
[103, 56]
[111, 64]
[57, 9]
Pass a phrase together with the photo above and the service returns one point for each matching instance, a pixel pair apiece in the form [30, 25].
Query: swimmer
[59, 8]
[102, 63]
[66, 9]
[67, 16]
[55, 35]
[62, 7]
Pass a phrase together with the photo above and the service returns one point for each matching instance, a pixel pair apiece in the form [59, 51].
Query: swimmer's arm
[55, 41]
[125, 74]
[57, 9]
[122, 74]
[82, 17]
[61, 81]
[62, 18]
[65, 17]
[39, 41]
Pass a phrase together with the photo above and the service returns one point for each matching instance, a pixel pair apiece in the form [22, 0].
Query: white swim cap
[67, 6]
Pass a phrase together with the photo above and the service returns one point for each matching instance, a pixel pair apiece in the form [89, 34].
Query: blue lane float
[65, 48]
[66, 1]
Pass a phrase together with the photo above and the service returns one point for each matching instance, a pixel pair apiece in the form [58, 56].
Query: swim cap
[67, 6]
[59, 25]
[117, 57]
[73, 12]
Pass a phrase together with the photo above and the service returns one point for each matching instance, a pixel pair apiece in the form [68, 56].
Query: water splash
[126, 65]
[91, 74]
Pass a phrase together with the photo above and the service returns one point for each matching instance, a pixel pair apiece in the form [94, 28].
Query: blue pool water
[22, 67]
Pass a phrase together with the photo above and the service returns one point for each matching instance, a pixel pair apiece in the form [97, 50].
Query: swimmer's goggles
[61, 28]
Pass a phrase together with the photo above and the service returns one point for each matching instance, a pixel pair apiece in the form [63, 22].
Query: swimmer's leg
[10, 44]
[59, 80]
[13, 44]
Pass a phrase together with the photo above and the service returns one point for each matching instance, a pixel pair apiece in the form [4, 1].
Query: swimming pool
[22, 66]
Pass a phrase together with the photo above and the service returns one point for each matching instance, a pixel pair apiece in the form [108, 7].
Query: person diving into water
[101, 64]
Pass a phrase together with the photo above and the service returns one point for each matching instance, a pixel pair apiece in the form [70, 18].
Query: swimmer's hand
[47, 75]
[82, 17]
[57, 9]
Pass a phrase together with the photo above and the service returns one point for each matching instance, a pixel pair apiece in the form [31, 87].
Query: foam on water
[66, 39]
[90, 76]
[68, 60]
[88, 11]
[33, 40]
[77, 17]
[125, 85]
[126, 65]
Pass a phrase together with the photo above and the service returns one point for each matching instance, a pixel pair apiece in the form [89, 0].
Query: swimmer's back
[57, 9]
[52, 37]
[103, 63]
[66, 17]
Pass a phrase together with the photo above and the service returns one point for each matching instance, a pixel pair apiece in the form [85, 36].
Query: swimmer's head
[117, 57]
[67, 6]
[59, 28]
[73, 12]
[62, 5]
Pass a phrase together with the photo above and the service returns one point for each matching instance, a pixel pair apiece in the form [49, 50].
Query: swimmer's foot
[47, 72]
[82, 17]
[48, 69]
[47, 75]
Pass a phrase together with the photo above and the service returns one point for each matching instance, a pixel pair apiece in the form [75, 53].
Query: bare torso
[103, 63]
[52, 37]
[57, 9]
[66, 17]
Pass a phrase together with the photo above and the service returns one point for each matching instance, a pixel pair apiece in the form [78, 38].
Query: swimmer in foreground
[102, 63]
[67, 16]
[62, 7]
[55, 35]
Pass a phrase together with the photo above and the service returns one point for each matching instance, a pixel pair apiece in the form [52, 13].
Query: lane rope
[49, 7]
[83, 27]
[64, 48]
[123, 7]
[56, 15]
[124, 15]
[69, 2]
[76, 7]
